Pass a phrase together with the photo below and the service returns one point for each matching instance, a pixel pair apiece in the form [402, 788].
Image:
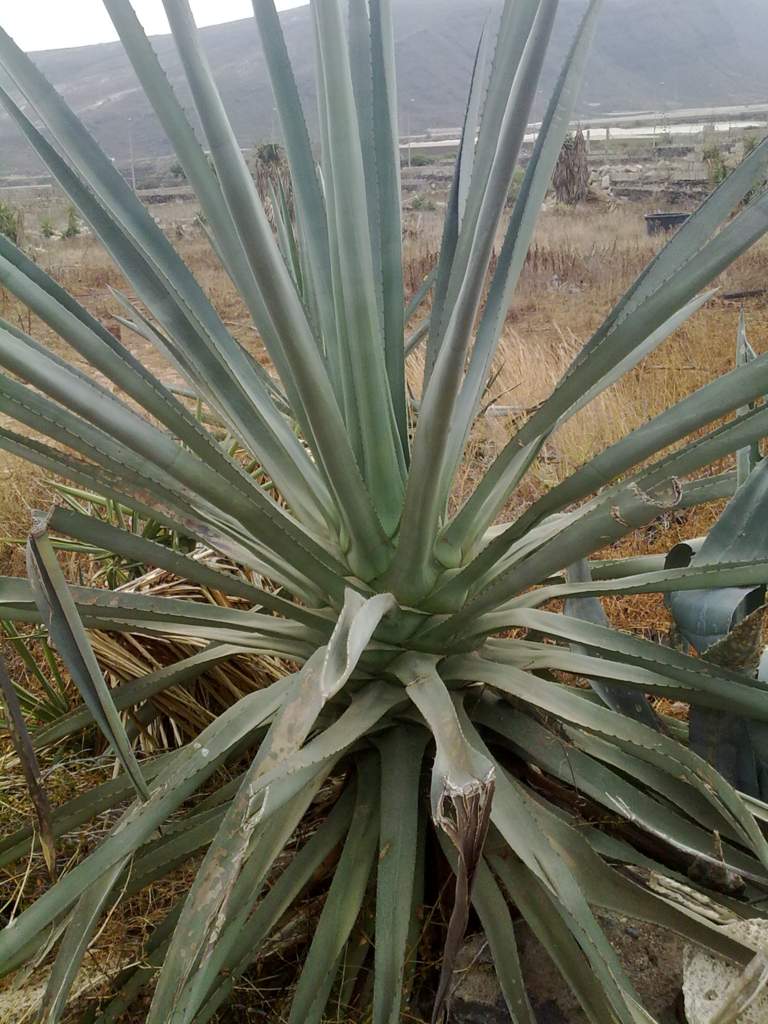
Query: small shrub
[422, 203]
[47, 230]
[717, 170]
[178, 171]
[10, 222]
[421, 160]
[72, 230]
[515, 185]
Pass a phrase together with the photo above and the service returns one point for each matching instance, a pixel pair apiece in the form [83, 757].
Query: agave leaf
[344, 176]
[148, 552]
[468, 143]
[739, 533]
[676, 792]
[538, 745]
[513, 252]
[342, 905]
[694, 233]
[748, 458]
[299, 351]
[95, 343]
[25, 750]
[306, 183]
[593, 528]
[709, 403]
[175, 847]
[419, 296]
[605, 887]
[642, 741]
[413, 574]
[518, 818]
[703, 690]
[636, 651]
[116, 609]
[636, 323]
[371, 55]
[80, 930]
[657, 300]
[602, 886]
[415, 339]
[499, 930]
[514, 35]
[258, 855]
[687, 579]
[210, 897]
[451, 227]
[461, 797]
[92, 477]
[195, 163]
[402, 754]
[205, 489]
[139, 690]
[70, 815]
[278, 899]
[711, 621]
[60, 615]
[286, 236]
[181, 776]
[170, 291]
[251, 926]
[123, 477]
[112, 460]
[706, 489]
[625, 701]
[546, 921]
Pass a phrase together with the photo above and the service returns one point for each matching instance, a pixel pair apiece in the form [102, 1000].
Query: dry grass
[581, 262]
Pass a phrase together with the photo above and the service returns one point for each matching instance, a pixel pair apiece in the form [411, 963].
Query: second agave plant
[430, 711]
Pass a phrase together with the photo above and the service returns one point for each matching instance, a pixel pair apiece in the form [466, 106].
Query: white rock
[706, 977]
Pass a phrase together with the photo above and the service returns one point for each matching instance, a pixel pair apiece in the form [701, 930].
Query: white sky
[51, 24]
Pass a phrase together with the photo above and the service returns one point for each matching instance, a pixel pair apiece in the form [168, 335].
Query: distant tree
[178, 171]
[272, 175]
[571, 178]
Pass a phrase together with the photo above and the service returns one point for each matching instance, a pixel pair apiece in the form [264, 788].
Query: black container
[660, 223]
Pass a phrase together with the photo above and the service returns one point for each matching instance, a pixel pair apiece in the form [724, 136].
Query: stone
[707, 977]
[651, 956]
[476, 996]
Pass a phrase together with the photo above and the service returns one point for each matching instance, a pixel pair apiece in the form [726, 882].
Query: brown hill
[648, 55]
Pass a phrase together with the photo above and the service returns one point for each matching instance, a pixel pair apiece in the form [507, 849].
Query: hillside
[648, 54]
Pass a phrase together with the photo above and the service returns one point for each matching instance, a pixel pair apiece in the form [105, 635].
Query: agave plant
[726, 625]
[426, 639]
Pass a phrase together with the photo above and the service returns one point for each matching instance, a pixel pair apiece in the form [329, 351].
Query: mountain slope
[648, 55]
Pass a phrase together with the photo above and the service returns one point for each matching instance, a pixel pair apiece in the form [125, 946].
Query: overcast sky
[50, 24]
